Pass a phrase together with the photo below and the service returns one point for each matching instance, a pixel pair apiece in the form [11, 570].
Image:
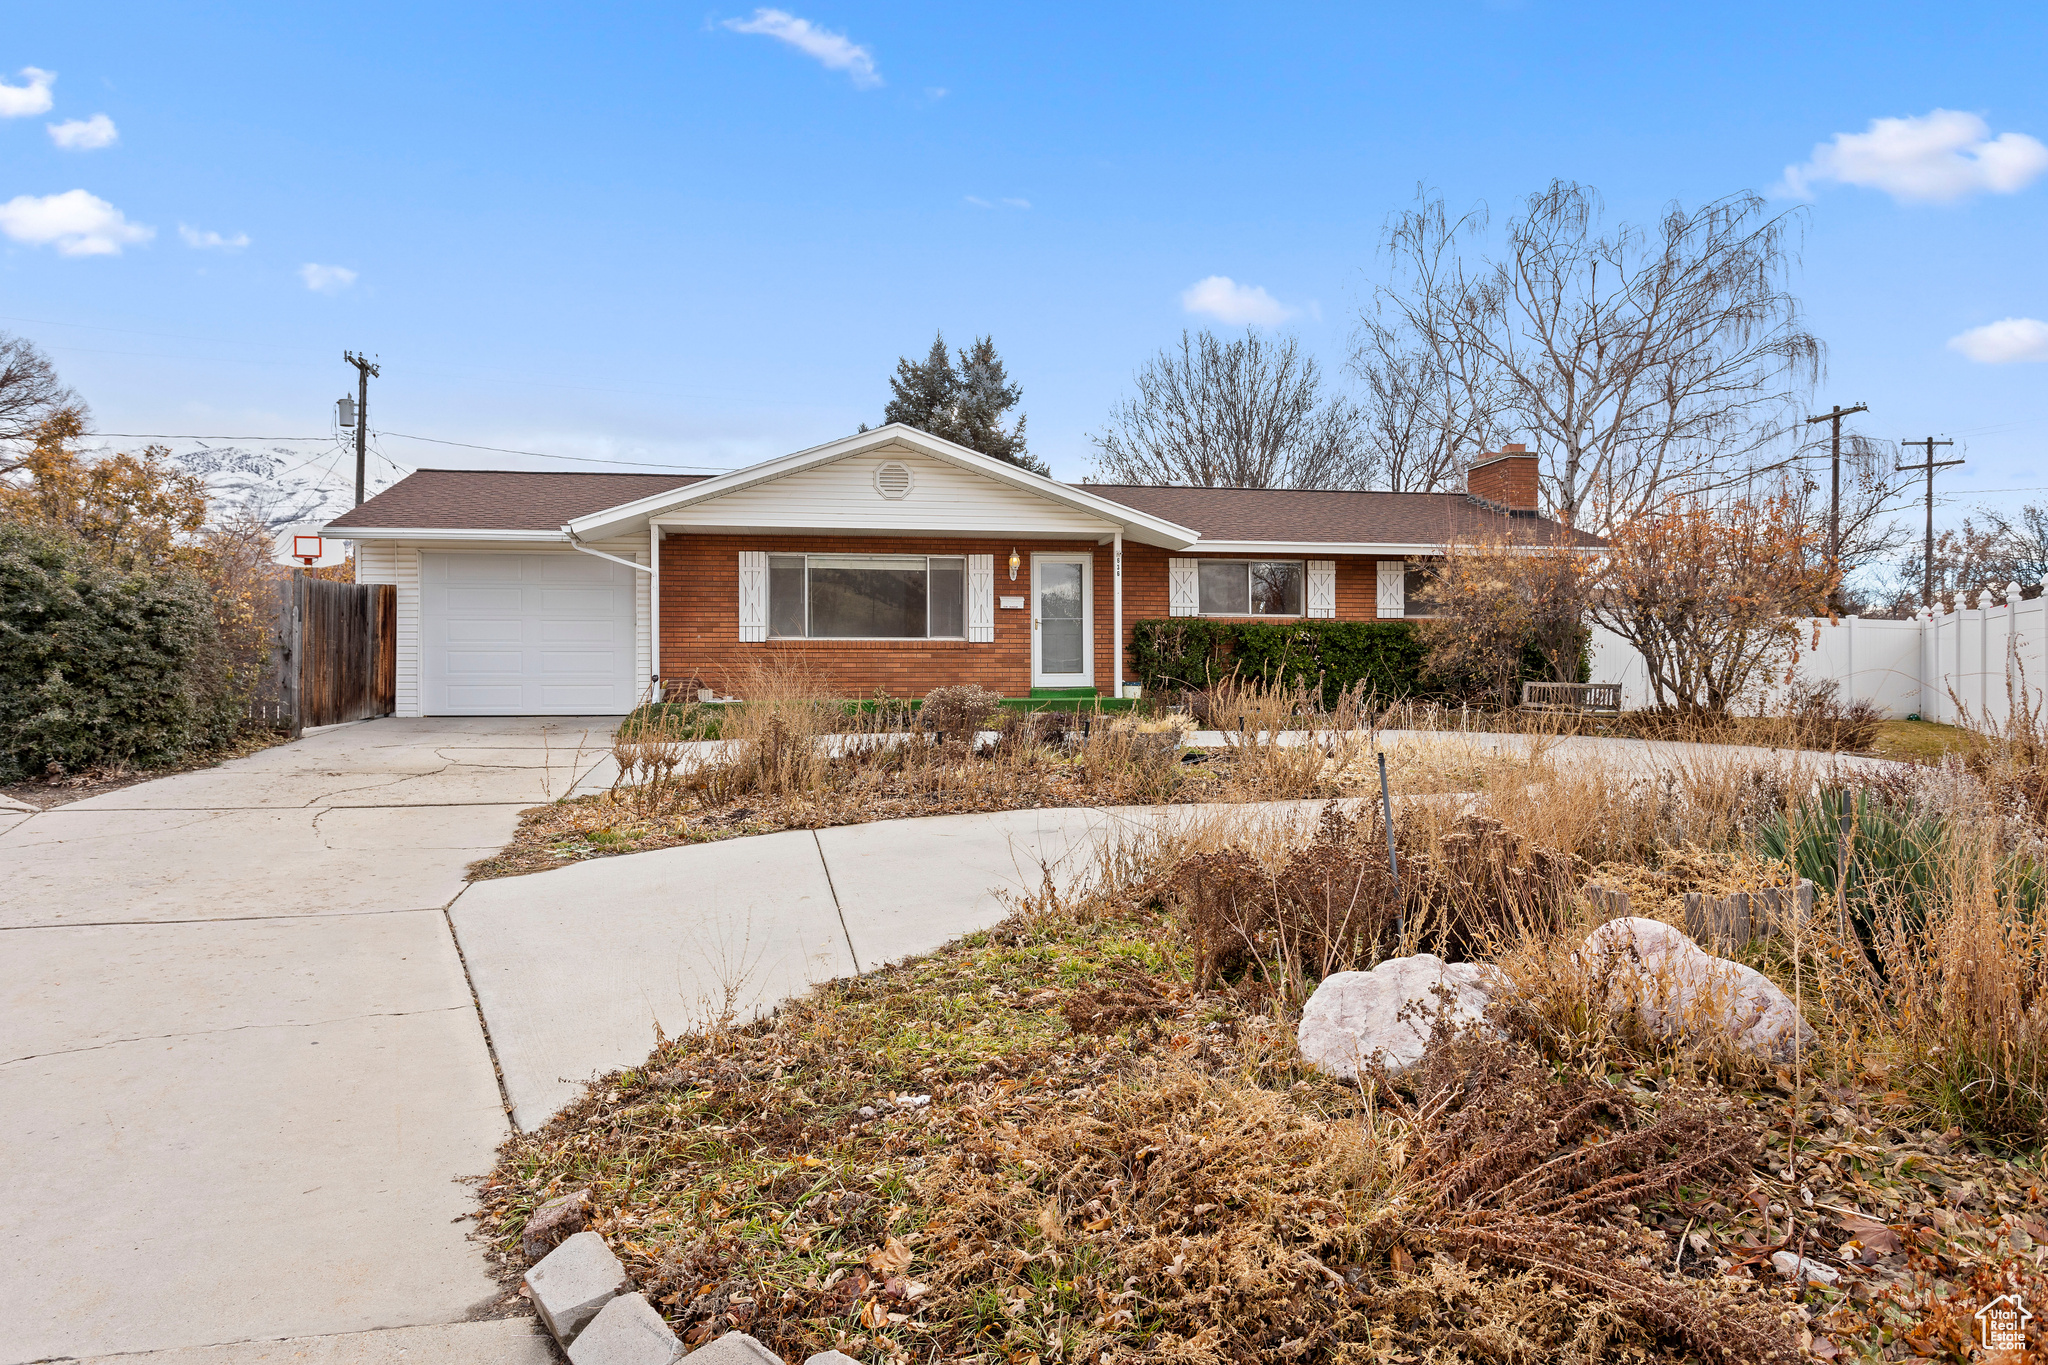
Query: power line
[171, 436]
[544, 455]
[434, 440]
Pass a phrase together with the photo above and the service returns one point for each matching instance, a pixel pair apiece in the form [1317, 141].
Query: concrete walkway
[240, 1065]
[577, 967]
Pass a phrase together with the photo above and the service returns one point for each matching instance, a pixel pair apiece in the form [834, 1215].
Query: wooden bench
[1599, 698]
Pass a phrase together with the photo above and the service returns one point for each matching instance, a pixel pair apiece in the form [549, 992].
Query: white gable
[846, 495]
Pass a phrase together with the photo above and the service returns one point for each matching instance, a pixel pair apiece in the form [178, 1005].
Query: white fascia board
[436, 533]
[1140, 525]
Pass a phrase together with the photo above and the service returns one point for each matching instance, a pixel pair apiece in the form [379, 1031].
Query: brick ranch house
[890, 560]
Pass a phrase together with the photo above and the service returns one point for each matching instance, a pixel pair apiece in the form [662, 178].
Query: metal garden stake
[1393, 863]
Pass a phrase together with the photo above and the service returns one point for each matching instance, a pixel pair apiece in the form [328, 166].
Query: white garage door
[527, 635]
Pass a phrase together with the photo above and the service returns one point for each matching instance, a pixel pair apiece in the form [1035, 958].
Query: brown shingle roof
[524, 500]
[1326, 517]
[502, 499]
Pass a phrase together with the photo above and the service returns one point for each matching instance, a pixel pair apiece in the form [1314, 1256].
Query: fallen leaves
[891, 1258]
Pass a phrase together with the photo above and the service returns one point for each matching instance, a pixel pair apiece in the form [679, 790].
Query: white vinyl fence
[1984, 655]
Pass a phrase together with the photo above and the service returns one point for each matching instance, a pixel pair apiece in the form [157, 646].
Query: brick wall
[700, 618]
[700, 613]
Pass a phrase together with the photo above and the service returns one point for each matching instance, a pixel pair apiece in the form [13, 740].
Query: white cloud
[212, 240]
[978, 201]
[20, 101]
[1226, 300]
[835, 50]
[84, 134]
[2004, 341]
[326, 279]
[1942, 156]
[76, 223]
[1018, 203]
[936, 92]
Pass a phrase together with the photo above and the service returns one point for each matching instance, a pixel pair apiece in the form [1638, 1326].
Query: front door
[1062, 644]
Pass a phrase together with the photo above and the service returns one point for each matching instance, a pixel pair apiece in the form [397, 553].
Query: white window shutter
[753, 596]
[1183, 588]
[1322, 587]
[1393, 587]
[981, 599]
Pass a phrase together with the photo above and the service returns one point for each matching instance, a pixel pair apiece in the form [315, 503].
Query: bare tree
[1870, 536]
[1975, 557]
[30, 395]
[1640, 361]
[1429, 404]
[1245, 413]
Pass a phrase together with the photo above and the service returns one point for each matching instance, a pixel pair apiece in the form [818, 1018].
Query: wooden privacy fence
[1721, 924]
[334, 655]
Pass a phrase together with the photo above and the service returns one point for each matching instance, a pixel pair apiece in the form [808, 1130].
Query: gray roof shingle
[1317, 516]
[502, 499]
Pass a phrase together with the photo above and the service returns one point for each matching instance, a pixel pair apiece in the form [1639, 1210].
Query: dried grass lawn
[1044, 1143]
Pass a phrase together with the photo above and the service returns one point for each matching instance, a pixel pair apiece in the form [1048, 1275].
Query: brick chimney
[1505, 478]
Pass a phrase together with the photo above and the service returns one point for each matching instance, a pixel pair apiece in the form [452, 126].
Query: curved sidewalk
[576, 968]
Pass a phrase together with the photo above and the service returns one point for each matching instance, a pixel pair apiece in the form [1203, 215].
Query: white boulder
[1676, 986]
[1390, 1011]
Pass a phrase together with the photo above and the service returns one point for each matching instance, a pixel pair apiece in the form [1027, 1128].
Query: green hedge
[1182, 652]
[1179, 653]
[97, 665]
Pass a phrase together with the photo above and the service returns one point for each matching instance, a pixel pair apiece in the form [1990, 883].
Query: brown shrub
[1335, 904]
[960, 711]
[1524, 1170]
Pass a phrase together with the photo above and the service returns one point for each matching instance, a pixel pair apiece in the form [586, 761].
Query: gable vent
[892, 479]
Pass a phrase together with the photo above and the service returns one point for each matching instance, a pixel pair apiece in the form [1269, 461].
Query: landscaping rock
[1799, 1268]
[627, 1331]
[734, 1348]
[553, 1222]
[831, 1358]
[1678, 987]
[576, 1279]
[1390, 1010]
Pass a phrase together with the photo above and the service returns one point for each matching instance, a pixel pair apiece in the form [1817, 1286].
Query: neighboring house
[892, 561]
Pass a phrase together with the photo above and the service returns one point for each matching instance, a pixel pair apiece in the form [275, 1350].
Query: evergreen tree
[963, 403]
[923, 396]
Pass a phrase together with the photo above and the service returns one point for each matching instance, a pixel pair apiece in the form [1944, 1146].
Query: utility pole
[1927, 579]
[364, 369]
[1835, 417]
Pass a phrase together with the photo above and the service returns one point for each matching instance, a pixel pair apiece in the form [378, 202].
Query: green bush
[99, 665]
[1187, 652]
[1179, 653]
[1887, 859]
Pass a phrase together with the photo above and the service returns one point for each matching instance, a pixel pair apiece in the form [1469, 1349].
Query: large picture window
[867, 597]
[1250, 587]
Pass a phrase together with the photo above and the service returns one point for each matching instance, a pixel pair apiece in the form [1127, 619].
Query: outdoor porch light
[1014, 562]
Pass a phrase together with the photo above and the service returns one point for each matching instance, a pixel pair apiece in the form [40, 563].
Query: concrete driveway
[241, 1068]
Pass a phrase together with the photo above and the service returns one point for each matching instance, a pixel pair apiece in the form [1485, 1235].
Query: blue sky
[705, 235]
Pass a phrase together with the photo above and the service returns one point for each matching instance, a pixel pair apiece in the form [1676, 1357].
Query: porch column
[1116, 574]
[654, 609]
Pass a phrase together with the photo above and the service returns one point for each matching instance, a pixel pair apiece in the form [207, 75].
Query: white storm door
[1062, 613]
[526, 635]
